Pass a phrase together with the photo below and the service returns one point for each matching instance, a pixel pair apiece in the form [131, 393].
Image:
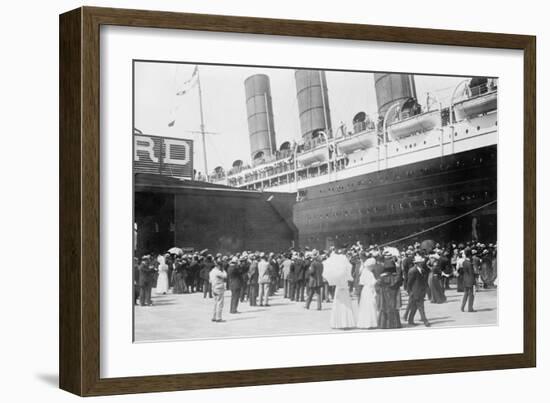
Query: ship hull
[396, 203]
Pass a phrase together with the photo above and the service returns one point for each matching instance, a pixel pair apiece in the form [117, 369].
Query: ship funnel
[313, 106]
[259, 110]
[391, 88]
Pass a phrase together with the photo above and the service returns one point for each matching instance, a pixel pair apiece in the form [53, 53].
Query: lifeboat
[317, 154]
[475, 106]
[422, 122]
[359, 141]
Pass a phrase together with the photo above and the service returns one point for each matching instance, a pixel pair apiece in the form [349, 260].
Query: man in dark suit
[205, 267]
[253, 281]
[292, 277]
[407, 263]
[234, 277]
[136, 280]
[417, 285]
[147, 273]
[469, 277]
[314, 280]
[244, 264]
[299, 277]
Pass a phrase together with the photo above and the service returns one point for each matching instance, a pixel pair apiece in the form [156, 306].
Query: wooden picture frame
[79, 346]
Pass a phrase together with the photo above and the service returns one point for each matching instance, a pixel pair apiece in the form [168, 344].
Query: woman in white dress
[162, 280]
[367, 317]
[337, 272]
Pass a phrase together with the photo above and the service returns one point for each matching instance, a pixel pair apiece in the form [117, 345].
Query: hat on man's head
[418, 259]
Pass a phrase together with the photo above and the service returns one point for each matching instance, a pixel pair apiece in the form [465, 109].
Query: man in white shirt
[217, 280]
[264, 280]
[286, 271]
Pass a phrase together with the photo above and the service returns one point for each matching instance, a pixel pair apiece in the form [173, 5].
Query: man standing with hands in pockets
[217, 281]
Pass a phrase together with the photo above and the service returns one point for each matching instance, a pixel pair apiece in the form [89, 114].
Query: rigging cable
[441, 224]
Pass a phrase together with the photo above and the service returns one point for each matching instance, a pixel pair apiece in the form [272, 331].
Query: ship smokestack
[391, 88]
[259, 110]
[313, 106]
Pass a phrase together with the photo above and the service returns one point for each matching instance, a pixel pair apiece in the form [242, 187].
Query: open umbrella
[175, 251]
[337, 269]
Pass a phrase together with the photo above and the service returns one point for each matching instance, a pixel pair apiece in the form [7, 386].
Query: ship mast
[203, 133]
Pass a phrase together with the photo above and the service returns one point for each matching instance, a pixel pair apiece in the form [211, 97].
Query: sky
[224, 107]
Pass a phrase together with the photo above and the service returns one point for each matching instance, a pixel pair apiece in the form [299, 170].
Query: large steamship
[409, 169]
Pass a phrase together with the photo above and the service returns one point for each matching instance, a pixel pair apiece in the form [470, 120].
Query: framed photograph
[249, 201]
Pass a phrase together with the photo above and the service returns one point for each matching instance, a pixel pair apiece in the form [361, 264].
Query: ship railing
[358, 129]
[475, 91]
[311, 145]
[217, 177]
[262, 173]
[481, 89]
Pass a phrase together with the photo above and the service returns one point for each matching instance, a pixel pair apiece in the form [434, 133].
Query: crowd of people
[363, 283]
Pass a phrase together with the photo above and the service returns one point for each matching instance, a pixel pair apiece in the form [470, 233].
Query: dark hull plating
[383, 206]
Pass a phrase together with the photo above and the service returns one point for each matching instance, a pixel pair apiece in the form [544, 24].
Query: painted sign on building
[163, 155]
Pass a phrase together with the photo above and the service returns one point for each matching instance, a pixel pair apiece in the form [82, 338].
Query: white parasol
[337, 270]
[393, 251]
[175, 251]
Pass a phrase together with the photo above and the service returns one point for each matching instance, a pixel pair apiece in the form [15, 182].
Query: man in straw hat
[217, 281]
[417, 285]
[314, 280]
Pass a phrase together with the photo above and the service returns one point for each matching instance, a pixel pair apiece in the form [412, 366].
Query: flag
[189, 83]
[172, 123]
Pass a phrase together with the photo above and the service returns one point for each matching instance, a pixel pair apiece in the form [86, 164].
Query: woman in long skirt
[337, 271]
[434, 282]
[367, 317]
[342, 315]
[162, 281]
[387, 288]
[180, 274]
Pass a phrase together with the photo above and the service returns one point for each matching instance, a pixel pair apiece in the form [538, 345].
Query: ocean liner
[414, 171]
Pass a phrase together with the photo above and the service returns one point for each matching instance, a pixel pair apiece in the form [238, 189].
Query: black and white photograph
[281, 200]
